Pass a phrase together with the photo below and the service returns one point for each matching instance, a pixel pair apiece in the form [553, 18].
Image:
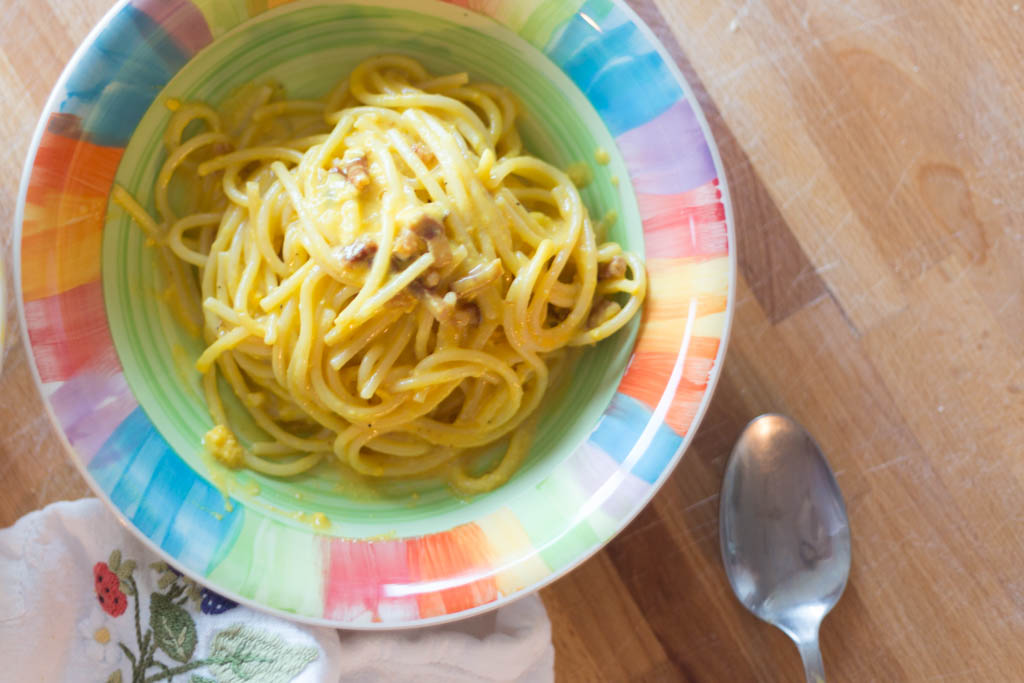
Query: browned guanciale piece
[432, 232]
[428, 227]
[408, 244]
[438, 307]
[612, 270]
[448, 309]
[360, 251]
[467, 315]
[602, 310]
[356, 171]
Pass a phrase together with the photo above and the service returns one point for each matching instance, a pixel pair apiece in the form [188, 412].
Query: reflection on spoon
[784, 532]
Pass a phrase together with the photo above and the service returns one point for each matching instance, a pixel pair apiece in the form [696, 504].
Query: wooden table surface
[874, 149]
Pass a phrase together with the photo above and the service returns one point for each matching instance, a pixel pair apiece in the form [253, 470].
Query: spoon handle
[810, 652]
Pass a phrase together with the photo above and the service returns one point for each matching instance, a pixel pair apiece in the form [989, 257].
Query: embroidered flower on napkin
[167, 643]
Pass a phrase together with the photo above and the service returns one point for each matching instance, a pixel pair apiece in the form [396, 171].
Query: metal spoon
[784, 532]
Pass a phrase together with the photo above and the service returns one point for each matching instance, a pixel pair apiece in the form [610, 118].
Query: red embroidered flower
[108, 590]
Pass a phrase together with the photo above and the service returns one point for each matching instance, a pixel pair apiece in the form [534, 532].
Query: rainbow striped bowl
[117, 374]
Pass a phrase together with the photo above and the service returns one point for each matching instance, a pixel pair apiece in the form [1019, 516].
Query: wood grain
[873, 153]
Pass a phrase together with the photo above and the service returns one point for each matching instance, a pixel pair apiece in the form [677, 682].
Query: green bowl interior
[310, 48]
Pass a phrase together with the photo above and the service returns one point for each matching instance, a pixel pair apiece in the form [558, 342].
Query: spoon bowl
[785, 535]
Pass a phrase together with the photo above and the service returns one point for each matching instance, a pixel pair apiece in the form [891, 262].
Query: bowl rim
[502, 600]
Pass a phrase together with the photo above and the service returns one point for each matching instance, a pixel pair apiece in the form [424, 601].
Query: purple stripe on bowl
[668, 154]
[89, 407]
[592, 468]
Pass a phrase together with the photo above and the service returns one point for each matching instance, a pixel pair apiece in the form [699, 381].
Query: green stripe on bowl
[267, 548]
[547, 19]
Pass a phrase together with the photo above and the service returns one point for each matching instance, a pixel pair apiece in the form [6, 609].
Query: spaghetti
[385, 276]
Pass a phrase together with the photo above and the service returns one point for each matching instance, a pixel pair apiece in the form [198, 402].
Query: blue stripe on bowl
[620, 428]
[120, 76]
[621, 73]
[202, 530]
[165, 499]
[113, 465]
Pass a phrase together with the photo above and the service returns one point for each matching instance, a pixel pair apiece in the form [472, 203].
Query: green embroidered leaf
[166, 580]
[174, 632]
[245, 654]
[200, 679]
[115, 677]
[127, 586]
[114, 560]
[158, 566]
[124, 572]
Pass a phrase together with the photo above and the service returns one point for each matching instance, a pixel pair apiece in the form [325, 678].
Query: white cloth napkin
[152, 624]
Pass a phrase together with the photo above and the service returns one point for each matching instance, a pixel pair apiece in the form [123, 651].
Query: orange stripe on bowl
[675, 307]
[674, 285]
[700, 347]
[60, 249]
[65, 164]
[461, 553]
[65, 210]
[683, 409]
[645, 380]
